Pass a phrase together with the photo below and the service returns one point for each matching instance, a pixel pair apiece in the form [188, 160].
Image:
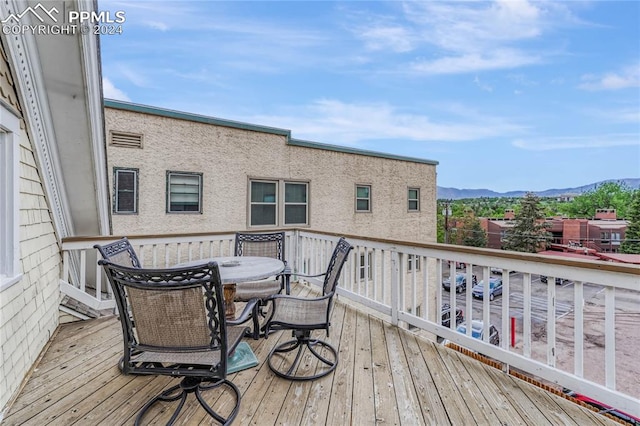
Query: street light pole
[446, 212]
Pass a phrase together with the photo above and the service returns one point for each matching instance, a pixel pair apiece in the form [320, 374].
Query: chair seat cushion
[300, 312]
[205, 357]
[257, 289]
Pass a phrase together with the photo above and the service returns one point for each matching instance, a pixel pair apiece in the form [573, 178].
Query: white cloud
[333, 121]
[475, 62]
[482, 85]
[157, 25]
[112, 92]
[623, 79]
[578, 142]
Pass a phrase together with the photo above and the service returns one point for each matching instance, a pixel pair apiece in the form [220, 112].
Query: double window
[363, 198]
[413, 261]
[125, 191]
[278, 203]
[184, 192]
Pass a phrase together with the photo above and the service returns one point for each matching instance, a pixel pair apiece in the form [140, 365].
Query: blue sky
[505, 95]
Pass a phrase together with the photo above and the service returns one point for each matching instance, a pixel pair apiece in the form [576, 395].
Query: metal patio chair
[302, 316]
[176, 328]
[120, 252]
[264, 245]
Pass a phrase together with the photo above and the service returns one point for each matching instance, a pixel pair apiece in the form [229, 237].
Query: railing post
[395, 287]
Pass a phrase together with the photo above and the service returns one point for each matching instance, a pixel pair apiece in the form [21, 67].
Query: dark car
[461, 282]
[604, 408]
[495, 288]
[559, 281]
[446, 315]
[477, 331]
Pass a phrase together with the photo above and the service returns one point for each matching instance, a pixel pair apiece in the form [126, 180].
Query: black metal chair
[302, 316]
[176, 327]
[263, 245]
[120, 252]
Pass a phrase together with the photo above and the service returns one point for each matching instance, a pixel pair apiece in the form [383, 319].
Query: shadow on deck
[386, 375]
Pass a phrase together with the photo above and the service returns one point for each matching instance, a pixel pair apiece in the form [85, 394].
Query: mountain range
[456, 194]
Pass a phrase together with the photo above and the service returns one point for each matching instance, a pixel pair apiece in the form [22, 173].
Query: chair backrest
[171, 310]
[120, 252]
[264, 245]
[337, 261]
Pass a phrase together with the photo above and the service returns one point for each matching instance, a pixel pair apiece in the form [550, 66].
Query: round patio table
[234, 270]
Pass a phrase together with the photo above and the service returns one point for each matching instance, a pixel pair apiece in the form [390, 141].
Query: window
[125, 191]
[413, 198]
[295, 203]
[264, 197]
[267, 207]
[365, 267]
[412, 259]
[363, 198]
[9, 201]
[184, 192]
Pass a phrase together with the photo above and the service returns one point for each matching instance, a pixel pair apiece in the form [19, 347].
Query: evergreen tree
[529, 234]
[631, 243]
[471, 232]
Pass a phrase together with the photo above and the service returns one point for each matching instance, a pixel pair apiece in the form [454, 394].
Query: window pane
[413, 194]
[362, 192]
[184, 192]
[413, 205]
[263, 192]
[262, 214]
[295, 214]
[295, 193]
[125, 201]
[362, 205]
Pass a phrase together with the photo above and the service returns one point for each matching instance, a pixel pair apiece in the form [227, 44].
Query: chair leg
[300, 343]
[193, 385]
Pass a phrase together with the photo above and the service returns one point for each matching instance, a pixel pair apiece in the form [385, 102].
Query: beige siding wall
[228, 157]
[29, 309]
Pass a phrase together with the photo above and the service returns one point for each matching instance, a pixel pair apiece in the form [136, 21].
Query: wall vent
[126, 140]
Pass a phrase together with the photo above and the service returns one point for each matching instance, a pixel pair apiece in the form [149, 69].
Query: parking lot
[627, 314]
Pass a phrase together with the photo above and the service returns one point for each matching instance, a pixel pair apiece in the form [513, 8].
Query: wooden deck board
[385, 375]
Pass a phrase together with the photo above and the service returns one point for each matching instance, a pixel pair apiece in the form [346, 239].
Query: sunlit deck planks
[386, 375]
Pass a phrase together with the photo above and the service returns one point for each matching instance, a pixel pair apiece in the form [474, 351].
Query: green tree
[608, 195]
[470, 233]
[529, 233]
[631, 243]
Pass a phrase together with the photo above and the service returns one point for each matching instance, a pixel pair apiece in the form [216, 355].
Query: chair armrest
[246, 314]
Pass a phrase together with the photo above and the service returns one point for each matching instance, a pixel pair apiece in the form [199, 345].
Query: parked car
[633, 420]
[495, 288]
[446, 315]
[477, 331]
[461, 282]
[498, 271]
[559, 281]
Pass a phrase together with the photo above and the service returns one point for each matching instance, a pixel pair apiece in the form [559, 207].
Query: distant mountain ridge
[456, 194]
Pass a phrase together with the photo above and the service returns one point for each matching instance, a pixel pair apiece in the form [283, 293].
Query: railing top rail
[599, 265]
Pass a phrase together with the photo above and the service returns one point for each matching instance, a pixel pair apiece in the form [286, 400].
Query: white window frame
[168, 192]
[9, 198]
[416, 200]
[116, 191]
[280, 202]
[411, 260]
[359, 185]
[365, 268]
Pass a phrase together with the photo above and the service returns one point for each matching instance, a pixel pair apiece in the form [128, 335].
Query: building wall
[28, 308]
[229, 156]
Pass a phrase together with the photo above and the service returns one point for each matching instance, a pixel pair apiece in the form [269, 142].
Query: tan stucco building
[175, 172]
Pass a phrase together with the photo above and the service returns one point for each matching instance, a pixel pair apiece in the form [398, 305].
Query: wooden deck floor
[386, 375]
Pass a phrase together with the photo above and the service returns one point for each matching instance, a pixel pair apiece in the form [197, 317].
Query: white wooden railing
[402, 282]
